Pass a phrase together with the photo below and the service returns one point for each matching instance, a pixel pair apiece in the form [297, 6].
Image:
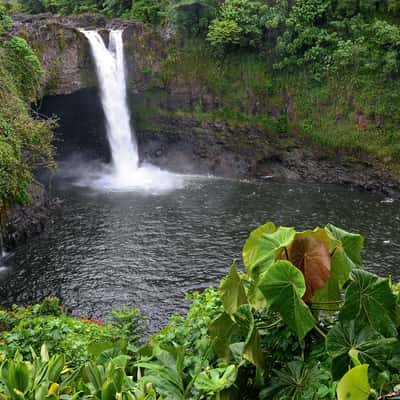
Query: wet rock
[24, 222]
[191, 146]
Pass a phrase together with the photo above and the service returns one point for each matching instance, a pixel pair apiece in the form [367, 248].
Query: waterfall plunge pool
[103, 250]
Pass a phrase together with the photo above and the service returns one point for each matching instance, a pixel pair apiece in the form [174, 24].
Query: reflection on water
[105, 250]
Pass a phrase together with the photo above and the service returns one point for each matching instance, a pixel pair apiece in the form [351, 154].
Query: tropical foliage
[325, 34]
[5, 20]
[304, 321]
[25, 142]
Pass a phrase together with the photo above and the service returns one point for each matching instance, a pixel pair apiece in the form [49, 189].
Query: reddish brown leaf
[310, 253]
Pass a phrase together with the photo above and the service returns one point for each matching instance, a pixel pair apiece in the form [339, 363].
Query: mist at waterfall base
[124, 173]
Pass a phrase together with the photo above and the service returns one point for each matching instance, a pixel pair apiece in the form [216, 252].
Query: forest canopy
[326, 34]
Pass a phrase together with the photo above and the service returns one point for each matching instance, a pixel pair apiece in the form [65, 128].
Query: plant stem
[328, 302]
[286, 253]
[318, 329]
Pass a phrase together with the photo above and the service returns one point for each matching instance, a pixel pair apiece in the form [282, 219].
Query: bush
[130, 322]
[192, 17]
[5, 20]
[224, 34]
[23, 64]
[24, 141]
[79, 340]
[148, 11]
[240, 24]
[49, 306]
[33, 6]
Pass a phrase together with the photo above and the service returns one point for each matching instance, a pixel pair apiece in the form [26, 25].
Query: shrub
[148, 11]
[23, 64]
[79, 340]
[239, 24]
[192, 17]
[5, 20]
[224, 34]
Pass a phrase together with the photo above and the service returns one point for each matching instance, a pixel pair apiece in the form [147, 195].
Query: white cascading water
[126, 173]
[111, 74]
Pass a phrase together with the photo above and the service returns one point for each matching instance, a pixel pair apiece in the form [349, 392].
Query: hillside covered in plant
[25, 141]
[326, 71]
[304, 321]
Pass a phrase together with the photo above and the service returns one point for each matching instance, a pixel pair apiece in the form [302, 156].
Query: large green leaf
[221, 331]
[232, 291]
[165, 371]
[295, 380]
[251, 250]
[348, 245]
[95, 375]
[237, 335]
[56, 365]
[354, 384]
[18, 376]
[252, 342]
[351, 337]
[370, 299]
[108, 390]
[283, 286]
[255, 296]
[264, 246]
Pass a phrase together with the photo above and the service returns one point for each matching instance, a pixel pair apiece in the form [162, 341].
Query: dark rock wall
[24, 222]
[81, 124]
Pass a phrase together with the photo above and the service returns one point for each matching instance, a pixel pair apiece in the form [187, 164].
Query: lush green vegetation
[24, 140]
[323, 70]
[304, 321]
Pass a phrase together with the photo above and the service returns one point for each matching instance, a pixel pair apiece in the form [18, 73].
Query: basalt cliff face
[65, 52]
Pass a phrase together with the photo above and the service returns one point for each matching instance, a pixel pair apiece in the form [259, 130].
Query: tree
[240, 24]
[192, 17]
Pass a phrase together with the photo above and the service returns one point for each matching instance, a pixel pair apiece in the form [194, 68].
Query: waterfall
[125, 173]
[110, 68]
